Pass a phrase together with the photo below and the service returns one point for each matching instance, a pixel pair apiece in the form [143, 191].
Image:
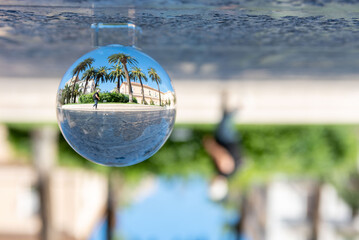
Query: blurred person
[96, 98]
[224, 148]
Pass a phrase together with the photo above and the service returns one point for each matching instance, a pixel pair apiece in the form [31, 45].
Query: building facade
[89, 88]
[151, 94]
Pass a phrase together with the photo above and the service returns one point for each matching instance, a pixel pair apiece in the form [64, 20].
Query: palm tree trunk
[110, 209]
[159, 93]
[85, 87]
[130, 96]
[242, 221]
[121, 81]
[73, 87]
[68, 97]
[118, 84]
[75, 95]
[143, 92]
[95, 86]
[314, 211]
[44, 155]
[118, 77]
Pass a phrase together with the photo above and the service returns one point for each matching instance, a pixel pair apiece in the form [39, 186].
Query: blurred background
[286, 70]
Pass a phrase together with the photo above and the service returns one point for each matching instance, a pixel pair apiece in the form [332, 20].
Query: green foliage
[301, 151]
[298, 151]
[152, 102]
[109, 97]
[113, 97]
[66, 94]
[86, 98]
[19, 138]
[62, 99]
[82, 66]
[325, 153]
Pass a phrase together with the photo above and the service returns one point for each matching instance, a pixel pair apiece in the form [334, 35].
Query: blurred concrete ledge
[261, 99]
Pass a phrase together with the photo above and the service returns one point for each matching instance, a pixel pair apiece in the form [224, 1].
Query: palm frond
[123, 58]
[82, 66]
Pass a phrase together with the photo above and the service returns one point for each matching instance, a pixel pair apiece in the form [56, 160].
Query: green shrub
[109, 97]
[87, 98]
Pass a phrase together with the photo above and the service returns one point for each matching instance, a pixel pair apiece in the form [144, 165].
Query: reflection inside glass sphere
[116, 106]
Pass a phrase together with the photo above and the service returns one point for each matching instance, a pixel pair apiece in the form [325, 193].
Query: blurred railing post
[44, 146]
[314, 210]
[111, 208]
[5, 151]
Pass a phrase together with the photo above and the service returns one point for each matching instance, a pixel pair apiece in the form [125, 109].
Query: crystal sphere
[116, 106]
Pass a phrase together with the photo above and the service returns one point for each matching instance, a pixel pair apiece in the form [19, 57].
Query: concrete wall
[261, 99]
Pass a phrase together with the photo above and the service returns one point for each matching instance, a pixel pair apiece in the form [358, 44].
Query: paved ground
[115, 138]
[113, 107]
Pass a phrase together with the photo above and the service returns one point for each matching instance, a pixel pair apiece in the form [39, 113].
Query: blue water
[176, 209]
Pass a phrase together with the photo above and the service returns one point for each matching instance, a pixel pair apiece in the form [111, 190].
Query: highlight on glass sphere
[116, 106]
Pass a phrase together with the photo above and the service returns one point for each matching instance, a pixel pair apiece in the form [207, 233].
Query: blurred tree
[348, 189]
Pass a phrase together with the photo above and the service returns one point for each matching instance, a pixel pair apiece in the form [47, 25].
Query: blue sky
[176, 209]
[144, 62]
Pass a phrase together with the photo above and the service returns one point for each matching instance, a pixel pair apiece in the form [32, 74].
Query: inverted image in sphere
[116, 106]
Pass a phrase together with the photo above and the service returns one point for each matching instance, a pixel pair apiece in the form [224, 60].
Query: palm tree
[88, 74]
[136, 73]
[118, 74]
[122, 58]
[66, 93]
[80, 68]
[155, 78]
[101, 75]
[76, 92]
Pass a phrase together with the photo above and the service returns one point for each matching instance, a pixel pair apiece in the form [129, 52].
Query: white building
[151, 94]
[89, 88]
[169, 99]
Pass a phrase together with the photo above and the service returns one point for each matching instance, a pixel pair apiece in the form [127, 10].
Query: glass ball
[116, 106]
